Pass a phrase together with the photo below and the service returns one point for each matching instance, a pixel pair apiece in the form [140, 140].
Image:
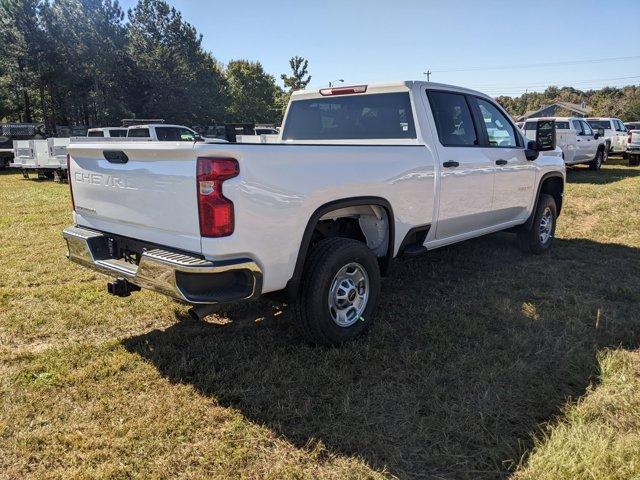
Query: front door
[584, 141]
[466, 174]
[515, 175]
[591, 144]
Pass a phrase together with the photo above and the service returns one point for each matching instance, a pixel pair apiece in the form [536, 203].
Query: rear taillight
[343, 90]
[73, 203]
[629, 138]
[215, 211]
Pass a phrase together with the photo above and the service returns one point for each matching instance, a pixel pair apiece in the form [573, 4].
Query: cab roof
[156, 125]
[386, 87]
[562, 119]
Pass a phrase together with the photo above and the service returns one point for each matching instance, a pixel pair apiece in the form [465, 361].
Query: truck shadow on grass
[615, 170]
[474, 347]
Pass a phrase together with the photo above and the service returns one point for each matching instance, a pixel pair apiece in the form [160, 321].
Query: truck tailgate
[148, 195]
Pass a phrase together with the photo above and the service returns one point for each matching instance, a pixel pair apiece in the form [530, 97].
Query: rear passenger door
[466, 175]
[515, 175]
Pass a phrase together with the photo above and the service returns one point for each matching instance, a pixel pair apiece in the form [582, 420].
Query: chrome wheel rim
[546, 225]
[348, 294]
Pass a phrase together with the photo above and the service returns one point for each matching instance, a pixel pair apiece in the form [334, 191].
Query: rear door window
[96, 133]
[453, 119]
[118, 132]
[138, 132]
[372, 116]
[600, 124]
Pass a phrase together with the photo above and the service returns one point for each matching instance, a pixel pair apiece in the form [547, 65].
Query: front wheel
[634, 160]
[596, 163]
[339, 292]
[538, 237]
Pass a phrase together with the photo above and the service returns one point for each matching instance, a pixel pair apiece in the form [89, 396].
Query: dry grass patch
[483, 362]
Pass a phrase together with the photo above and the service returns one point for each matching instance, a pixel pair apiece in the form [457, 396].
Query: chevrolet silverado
[359, 176]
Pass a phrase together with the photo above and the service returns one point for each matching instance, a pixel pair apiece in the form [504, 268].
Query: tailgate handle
[115, 156]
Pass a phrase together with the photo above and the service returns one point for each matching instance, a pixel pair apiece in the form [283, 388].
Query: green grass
[483, 362]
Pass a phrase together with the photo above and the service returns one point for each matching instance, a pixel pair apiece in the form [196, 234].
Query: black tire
[597, 162]
[529, 239]
[312, 312]
[634, 160]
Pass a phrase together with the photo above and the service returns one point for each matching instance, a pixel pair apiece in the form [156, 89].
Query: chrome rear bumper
[182, 276]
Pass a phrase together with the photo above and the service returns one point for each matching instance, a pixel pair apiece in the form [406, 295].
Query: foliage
[253, 93]
[175, 77]
[623, 102]
[86, 62]
[471, 370]
[299, 68]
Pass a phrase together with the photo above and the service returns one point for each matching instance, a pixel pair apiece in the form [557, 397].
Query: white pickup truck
[613, 131]
[361, 175]
[107, 132]
[577, 140]
[633, 144]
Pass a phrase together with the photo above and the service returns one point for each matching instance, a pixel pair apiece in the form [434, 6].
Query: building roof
[580, 109]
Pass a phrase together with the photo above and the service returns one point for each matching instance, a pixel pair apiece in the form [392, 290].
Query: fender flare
[546, 176]
[291, 288]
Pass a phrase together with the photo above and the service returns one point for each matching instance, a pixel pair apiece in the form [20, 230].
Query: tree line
[87, 62]
[623, 102]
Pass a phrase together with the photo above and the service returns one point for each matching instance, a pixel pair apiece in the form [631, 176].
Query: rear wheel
[339, 292]
[538, 237]
[596, 163]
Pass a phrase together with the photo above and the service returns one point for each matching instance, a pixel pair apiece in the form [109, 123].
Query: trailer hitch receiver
[121, 288]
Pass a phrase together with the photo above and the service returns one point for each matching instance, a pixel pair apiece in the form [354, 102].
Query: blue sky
[370, 41]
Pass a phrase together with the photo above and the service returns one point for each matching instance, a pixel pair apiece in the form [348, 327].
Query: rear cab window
[351, 117]
[95, 133]
[118, 132]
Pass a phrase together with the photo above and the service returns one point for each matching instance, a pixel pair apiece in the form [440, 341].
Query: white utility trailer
[58, 156]
[44, 158]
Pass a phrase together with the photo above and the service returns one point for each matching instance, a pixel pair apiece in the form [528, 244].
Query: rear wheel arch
[323, 213]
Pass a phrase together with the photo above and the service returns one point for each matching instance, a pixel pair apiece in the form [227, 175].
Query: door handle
[501, 162]
[450, 164]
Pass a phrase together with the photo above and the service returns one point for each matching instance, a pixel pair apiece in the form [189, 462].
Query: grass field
[483, 362]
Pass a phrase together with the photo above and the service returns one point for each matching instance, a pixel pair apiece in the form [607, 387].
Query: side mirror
[545, 135]
[596, 135]
[532, 151]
